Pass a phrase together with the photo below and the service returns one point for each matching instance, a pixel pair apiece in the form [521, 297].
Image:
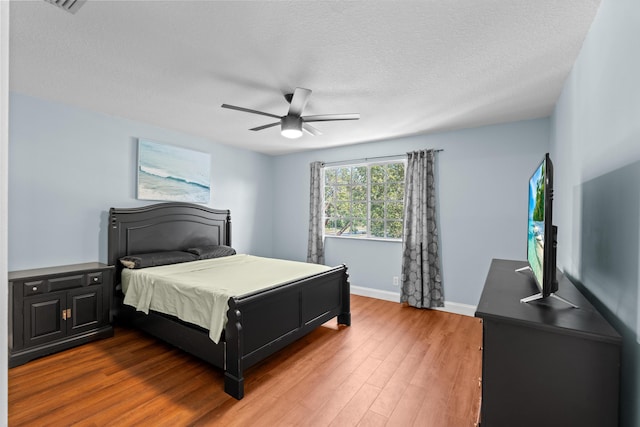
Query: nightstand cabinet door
[85, 307]
[43, 318]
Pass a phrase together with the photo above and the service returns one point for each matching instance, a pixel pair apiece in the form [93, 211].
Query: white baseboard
[450, 307]
[375, 293]
[458, 308]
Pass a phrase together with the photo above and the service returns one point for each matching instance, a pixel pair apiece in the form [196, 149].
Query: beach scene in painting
[170, 173]
[535, 248]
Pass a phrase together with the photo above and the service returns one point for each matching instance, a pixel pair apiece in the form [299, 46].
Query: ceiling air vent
[70, 6]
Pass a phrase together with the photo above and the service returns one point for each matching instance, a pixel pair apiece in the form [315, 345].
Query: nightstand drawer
[66, 282]
[94, 278]
[34, 288]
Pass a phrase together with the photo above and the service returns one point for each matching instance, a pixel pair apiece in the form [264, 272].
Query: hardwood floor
[395, 366]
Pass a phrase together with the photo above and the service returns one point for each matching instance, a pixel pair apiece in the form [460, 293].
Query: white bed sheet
[197, 292]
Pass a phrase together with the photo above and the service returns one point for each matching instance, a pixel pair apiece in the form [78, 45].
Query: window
[364, 200]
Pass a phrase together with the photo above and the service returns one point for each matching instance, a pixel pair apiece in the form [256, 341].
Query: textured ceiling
[407, 67]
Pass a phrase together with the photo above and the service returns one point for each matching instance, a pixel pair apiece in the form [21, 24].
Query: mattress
[198, 292]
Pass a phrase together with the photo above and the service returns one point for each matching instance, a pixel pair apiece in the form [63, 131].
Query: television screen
[542, 234]
[536, 226]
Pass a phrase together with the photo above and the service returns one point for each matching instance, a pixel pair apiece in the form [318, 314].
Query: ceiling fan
[293, 123]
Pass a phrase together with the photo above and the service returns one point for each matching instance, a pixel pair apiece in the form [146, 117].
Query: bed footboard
[260, 324]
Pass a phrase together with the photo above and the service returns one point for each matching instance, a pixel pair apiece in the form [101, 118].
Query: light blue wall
[596, 147]
[483, 176]
[68, 166]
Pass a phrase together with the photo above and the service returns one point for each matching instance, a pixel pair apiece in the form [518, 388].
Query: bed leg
[233, 379]
[344, 318]
[233, 386]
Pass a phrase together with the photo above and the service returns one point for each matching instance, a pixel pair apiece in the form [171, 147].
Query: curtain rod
[366, 159]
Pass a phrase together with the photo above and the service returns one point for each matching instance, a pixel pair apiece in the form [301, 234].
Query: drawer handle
[35, 288]
[95, 279]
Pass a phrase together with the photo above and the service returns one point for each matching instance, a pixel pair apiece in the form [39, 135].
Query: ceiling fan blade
[299, 101]
[310, 130]
[331, 117]
[247, 110]
[265, 126]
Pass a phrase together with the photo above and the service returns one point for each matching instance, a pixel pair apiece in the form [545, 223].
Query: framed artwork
[170, 173]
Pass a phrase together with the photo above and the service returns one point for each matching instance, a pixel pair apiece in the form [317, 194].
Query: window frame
[384, 201]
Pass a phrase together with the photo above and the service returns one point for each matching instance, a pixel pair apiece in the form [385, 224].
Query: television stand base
[525, 268]
[539, 296]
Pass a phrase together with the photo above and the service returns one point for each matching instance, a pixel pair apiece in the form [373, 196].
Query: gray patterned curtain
[421, 284]
[315, 252]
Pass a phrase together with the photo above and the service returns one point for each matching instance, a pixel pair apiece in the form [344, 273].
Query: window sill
[364, 239]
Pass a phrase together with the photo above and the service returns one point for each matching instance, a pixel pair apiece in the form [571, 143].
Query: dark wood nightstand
[56, 308]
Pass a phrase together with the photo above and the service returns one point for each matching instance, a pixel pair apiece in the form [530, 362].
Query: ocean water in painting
[172, 173]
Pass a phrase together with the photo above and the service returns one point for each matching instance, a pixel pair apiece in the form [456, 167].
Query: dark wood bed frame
[258, 324]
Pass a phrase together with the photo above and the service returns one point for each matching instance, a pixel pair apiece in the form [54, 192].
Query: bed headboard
[165, 227]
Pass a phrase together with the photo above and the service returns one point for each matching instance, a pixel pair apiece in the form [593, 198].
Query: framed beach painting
[170, 173]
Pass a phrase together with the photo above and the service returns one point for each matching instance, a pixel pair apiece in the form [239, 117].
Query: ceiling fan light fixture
[291, 133]
[291, 127]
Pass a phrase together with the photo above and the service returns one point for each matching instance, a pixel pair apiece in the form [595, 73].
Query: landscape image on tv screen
[535, 241]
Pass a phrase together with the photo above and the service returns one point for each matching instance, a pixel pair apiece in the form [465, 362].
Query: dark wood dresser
[56, 308]
[545, 363]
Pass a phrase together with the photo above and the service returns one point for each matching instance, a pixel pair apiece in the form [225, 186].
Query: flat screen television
[541, 233]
